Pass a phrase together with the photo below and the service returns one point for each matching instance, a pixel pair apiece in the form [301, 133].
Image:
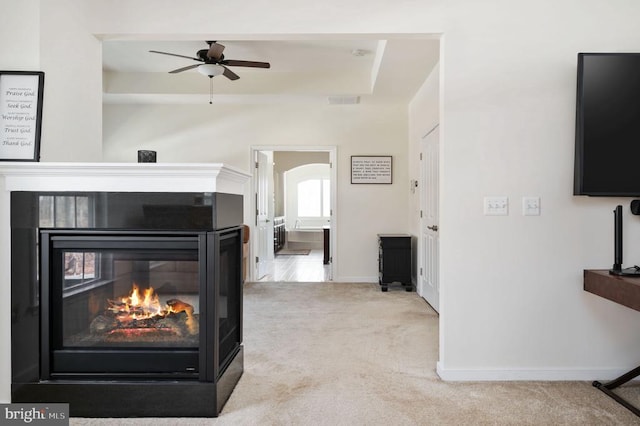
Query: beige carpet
[348, 354]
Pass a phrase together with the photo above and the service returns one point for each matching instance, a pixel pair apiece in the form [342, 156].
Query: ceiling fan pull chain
[210, 90]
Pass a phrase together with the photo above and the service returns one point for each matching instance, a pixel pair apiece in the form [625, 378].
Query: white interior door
[428, 281]
[264, 213]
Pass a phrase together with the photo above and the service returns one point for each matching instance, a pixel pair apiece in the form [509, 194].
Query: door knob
[434, 228]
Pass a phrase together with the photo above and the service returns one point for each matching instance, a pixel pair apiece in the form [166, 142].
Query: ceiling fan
[213, 62]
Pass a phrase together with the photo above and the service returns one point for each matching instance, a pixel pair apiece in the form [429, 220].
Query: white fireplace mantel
[93, 177]
[123, 177]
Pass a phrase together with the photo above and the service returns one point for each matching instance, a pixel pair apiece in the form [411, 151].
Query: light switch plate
[496, 206]
[531, 206]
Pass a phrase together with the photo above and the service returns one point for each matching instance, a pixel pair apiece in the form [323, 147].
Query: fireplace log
[102, 324]
[178, 306]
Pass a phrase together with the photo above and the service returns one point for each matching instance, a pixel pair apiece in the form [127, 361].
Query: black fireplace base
[139, 398]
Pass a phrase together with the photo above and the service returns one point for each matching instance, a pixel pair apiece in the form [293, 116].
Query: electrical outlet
[531, 206]
[496, 206]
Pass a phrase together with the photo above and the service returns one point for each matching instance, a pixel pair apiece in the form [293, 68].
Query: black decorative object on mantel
[145, 156]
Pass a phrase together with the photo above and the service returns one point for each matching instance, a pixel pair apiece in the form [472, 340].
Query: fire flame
[136, 307]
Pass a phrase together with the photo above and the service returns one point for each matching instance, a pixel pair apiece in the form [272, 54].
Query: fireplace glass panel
[117, 303]
[124, 292]
[229, 301]
[134, 298]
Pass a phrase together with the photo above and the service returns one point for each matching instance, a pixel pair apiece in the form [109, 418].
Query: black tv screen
[607, 156]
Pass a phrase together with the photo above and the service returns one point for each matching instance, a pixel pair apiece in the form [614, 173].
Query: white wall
[225, 133]
[287, 160]
[71, 57]
[509, 83]
[20, 33]
[512, 300]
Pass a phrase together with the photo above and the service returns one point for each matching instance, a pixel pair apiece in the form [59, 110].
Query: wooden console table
[625, 291]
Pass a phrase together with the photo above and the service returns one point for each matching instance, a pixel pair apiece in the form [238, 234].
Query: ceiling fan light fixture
[210, 70]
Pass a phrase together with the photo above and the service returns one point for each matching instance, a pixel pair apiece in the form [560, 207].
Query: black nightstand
[394, 260]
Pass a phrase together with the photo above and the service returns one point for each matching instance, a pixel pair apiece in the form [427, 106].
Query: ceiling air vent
[344, 100]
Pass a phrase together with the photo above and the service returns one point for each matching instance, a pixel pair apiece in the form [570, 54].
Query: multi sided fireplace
[136, 320]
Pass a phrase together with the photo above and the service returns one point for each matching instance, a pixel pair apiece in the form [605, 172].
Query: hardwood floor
[298, 268]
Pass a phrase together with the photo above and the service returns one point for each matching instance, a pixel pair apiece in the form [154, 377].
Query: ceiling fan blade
[184, 69]
[179, 56]
[230, 74]
[215, 51]
[253, 64]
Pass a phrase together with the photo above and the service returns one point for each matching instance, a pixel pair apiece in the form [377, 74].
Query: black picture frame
[21, 94]
[372, 169]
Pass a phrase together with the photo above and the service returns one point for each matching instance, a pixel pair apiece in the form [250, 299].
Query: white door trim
[429, 253]
[333, 227]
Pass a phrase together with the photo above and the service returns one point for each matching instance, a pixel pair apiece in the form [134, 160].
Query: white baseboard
[373, 280]
[477, 375]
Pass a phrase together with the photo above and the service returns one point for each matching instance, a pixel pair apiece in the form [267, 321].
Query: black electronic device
[607, 139]
[617, 261]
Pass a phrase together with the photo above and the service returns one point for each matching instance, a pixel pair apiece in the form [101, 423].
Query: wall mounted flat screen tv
[607, 146]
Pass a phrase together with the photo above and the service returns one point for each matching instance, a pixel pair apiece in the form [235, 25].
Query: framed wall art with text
[20, 115]
[371, 169]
